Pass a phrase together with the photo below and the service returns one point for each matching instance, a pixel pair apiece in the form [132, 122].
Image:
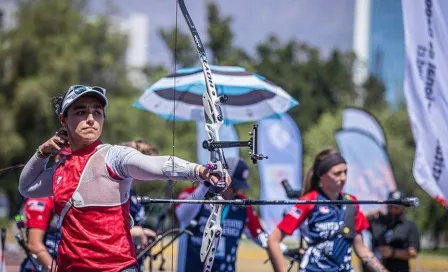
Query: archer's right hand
[52, 146]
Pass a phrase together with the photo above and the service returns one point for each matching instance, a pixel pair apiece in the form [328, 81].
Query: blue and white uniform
[234, 222]
[330, 249]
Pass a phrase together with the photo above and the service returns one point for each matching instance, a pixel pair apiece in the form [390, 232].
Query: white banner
[363, 144]
[358, 119]
[426, 91]
[280, 140]
[370, 175]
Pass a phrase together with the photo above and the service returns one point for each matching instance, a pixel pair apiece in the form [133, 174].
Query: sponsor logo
[295, 212]
[439, 164]
[198, 41]
[324, 209]
[279, 136]
[245, 174]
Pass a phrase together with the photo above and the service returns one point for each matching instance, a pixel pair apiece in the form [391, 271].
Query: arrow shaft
[409, 202]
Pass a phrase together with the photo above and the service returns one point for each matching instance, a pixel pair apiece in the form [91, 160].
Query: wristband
[40, 154]
[197, 175]
[196, 172]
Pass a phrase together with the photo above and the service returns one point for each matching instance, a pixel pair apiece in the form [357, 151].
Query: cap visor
[96, 94]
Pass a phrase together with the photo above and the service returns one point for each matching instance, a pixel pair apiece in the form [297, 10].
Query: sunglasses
[76, 90]
[79, 89]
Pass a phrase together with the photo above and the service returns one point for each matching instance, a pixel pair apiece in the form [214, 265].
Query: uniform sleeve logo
[36, 205]
[295, 212]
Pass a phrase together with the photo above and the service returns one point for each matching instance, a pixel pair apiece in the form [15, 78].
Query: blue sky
[326, 24]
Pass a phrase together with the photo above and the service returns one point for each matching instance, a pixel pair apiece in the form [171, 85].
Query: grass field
[252, 258]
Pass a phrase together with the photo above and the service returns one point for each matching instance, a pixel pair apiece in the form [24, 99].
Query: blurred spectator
[236, 220]
[41, 231]
[395, 239]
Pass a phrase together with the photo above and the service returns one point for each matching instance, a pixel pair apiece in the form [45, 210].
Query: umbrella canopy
[251, 97]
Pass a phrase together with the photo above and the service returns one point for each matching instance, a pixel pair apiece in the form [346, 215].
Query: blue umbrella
[251, 97]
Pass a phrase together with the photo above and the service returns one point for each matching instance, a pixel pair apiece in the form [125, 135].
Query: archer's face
[334, 179]
[84, 121]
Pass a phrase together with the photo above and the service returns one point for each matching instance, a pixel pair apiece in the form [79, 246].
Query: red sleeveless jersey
[93, 238]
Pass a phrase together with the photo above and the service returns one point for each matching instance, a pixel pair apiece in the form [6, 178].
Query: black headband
[331, 160]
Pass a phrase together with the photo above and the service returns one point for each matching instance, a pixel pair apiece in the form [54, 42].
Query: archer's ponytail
[311, 181]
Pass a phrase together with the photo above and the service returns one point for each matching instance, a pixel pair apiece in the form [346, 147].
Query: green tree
[179, 44]
[320, 136]
[221, 37]
[52, 47]
[320, 85]
[375, 92]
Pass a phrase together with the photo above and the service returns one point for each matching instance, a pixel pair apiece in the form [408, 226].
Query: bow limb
[217, 164]
[212, 110]
[12, 167]
[3, 171]
[212, 233]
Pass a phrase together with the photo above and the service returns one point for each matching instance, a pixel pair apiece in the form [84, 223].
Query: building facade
[7, 14]
[382, 50]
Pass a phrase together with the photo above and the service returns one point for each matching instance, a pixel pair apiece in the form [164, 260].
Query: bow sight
[211, 145]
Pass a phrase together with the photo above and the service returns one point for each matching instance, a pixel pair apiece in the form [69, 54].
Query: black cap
[396, 195]
[239, 172]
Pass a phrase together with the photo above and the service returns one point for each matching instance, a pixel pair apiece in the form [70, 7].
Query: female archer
[91, 186]
[332, 229]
